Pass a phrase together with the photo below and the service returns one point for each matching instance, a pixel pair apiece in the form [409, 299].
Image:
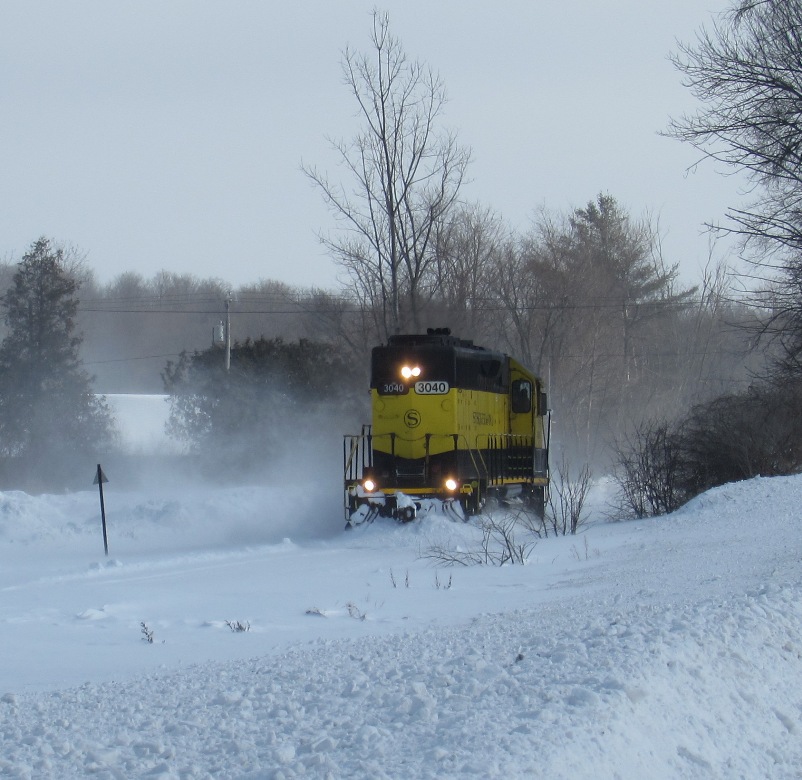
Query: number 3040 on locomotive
[454, 426]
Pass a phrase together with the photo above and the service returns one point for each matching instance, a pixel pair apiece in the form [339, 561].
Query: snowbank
[666, 648]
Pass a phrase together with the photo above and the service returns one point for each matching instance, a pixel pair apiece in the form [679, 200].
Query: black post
[100, 478]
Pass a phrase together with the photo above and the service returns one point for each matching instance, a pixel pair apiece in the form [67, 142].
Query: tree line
[746, 72]
[585, 297]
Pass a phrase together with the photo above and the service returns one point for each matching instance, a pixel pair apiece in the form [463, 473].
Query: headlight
[451, 484]
[409, 371]
[369, 485]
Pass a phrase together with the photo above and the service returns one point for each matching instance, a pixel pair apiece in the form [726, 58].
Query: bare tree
[406, 177]
[649, 470]
[528, 281]
[567, 498]
[468, 245]
[747, 72]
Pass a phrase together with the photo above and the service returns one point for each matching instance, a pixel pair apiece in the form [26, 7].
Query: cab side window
[521, 393]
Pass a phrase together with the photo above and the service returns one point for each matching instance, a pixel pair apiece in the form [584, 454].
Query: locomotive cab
[452, 424]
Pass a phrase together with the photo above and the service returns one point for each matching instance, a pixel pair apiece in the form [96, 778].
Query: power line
[638, 357]
[301, 308]
[131, 359]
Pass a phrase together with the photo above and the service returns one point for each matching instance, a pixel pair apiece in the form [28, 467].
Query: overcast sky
[169, 135]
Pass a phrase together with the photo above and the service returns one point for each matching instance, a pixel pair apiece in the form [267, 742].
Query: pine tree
[50, 422]
[277, 397]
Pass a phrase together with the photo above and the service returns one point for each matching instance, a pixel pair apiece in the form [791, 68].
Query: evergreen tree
[50, 422]
[277, 399]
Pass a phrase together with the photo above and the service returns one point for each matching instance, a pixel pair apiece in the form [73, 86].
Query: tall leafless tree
[468, 245]
[405, 177]
[746, 70]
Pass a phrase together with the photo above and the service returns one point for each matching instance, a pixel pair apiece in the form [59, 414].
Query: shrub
[648, 471]
[661, 465]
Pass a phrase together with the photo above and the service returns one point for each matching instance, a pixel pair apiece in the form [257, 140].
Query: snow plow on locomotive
[453, 425]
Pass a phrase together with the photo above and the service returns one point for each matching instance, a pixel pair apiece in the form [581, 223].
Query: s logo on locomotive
[412, 418]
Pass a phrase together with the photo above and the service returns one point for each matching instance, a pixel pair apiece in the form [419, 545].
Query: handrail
[511, 455]
[348, 460]
[481, 466]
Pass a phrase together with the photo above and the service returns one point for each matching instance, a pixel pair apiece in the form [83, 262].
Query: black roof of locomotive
[457, 361]
[440, 337]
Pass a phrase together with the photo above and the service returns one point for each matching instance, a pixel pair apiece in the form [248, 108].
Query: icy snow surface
[667, 648]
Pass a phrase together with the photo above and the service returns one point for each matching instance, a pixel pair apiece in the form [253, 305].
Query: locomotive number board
[431, 388]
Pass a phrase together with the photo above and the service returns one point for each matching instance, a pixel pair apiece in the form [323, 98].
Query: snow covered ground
[667, 648]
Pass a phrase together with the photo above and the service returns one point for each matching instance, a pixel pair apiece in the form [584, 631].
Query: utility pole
[228, 331]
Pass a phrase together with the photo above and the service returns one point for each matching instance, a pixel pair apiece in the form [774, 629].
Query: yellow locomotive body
[451, 422]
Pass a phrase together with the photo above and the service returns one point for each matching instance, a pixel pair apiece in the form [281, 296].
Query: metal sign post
[100, 478]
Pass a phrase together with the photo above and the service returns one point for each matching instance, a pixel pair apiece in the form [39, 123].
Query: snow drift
[667, 648]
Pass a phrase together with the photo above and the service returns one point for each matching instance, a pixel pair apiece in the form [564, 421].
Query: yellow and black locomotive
[453, 424]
